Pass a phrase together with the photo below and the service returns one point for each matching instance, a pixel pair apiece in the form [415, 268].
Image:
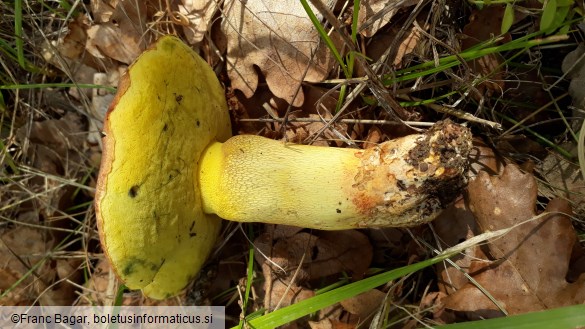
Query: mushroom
[170, 171]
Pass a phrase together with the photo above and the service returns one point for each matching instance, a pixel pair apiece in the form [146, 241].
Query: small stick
[454, 112]
[362, 121]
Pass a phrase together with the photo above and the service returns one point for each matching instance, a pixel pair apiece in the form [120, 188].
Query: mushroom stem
[403, 182]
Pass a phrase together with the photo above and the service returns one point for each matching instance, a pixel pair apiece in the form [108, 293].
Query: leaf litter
[274, 54]
[525, 270]
[280, 41]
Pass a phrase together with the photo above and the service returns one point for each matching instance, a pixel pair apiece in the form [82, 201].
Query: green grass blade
[538, 136]
[548, 15]
[324, 36]
[308, 306]
[8, 159]
[354, 21]
[450, 61]
[508, 19]
[581, 149]
[558, 318]
[250, 276]
[18, 33]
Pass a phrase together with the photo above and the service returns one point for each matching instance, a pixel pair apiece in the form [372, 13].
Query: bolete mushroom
[170, 170]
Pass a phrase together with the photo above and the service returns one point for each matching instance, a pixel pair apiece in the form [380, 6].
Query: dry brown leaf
[199, 14]
[485, 25]
[285, 294]
[300, 132]
[365, 304]
[69, 55]
[322, 254]
[574, 67]
[73, 44]
[483, 158]
[455, 225]
[330, 324]
[102, 10]
[54, 147]
[281, 231]
[98, 292]
[563, 178]
[31, 245]
[369, 18]
[280, 41]
[411, 45]
[295, 259]
[434, 301]
[123, 36]
[531, 262]
[374, 137]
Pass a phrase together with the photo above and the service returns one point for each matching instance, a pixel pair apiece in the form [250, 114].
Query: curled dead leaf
[199, 14]
[526, 269]
[122, 35]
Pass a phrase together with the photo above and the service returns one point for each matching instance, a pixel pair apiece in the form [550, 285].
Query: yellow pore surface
[149, 210]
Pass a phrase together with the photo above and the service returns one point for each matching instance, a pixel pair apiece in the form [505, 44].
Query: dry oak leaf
[283, 294]
[531, 261]
[280, 41]
[124, 36]
[457, 223]
[485, 25]
[331, 324]
[323, 253]
[199, 13]
[374, 14]
[364, 305]
[21, 249]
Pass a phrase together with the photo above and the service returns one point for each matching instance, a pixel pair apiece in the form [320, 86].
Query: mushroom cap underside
[168, 109]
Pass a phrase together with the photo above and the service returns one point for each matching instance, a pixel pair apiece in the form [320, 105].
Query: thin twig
[352, 121]
[454, 112]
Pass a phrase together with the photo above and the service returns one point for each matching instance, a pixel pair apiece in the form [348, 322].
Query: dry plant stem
[403, 182]
[454, 112]
[329, 122]
[375, 85]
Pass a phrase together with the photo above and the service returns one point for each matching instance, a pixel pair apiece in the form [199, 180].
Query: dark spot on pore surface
[179, 98]
[338, 211]
[133, 192]
[165, 127]
[198, 123]
[191, 233]
[134, 264]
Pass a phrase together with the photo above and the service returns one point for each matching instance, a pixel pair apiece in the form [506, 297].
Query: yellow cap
[168, 109]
